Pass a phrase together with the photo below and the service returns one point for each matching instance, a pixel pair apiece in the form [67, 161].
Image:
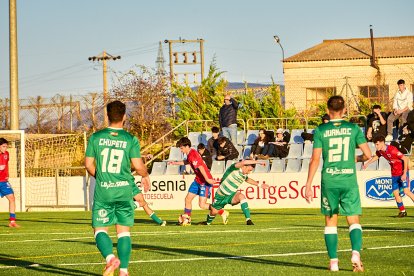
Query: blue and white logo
[379, 188]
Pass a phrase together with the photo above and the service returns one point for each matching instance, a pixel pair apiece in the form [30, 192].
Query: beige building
[345, 67]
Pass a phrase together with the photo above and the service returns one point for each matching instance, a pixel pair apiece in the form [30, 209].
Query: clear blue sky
[55, 37]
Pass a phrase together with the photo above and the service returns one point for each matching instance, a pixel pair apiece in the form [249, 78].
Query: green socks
[155, 218]
[355, 234]
[245, 208]
[124, 248]
[104, 243]
[331, 241]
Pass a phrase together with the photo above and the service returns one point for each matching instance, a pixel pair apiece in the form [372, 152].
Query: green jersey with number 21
[113, 149]
[338, 140]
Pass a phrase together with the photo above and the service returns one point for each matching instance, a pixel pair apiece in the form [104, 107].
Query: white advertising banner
[287, 190]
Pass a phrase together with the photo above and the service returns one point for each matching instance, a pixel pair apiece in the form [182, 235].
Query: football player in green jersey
[336, 142]
[228, 191]
[109, 155]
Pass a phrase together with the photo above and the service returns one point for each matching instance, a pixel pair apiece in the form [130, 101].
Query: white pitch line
[220, 258]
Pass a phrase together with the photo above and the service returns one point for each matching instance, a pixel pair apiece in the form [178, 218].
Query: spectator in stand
[226, 150]
[404, 142]
[281, 144]
[403, 104]
[212, 143]
[308, 137]
[261, 148]
[228, 118]
[205, 154]
[377, 123]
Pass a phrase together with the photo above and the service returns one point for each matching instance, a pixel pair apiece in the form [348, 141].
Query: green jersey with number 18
[338, 140]
[113, 149]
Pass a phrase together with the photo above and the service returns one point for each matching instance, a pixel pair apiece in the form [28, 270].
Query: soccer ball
[184, 220]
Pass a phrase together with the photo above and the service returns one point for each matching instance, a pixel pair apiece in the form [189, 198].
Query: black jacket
[229, 151]
[228, 114]
[207, 158]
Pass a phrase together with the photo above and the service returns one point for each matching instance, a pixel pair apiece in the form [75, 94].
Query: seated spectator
[205, 154]
[281, 143]
[377, 123]
[226, 150]
[261, 149]
[308, 137]
[403, 104]
[212, 143]
[405, 141]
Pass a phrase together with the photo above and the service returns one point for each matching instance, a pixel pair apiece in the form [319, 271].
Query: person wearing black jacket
[228, 118]
[406, 139]
[205, 154]
[226, 150]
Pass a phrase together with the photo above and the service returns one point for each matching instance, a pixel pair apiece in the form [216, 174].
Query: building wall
[315, 74]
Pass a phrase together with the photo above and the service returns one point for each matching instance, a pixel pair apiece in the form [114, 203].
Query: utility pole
[14, 87]
[104, 56]
[198, 58]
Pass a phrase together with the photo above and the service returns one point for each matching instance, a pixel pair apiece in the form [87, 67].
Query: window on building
[379, 94]
[318, 95]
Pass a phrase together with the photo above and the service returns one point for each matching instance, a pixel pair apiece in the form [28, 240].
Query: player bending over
[399, 170]
[228, 192]
[202, 183]
[336, 142]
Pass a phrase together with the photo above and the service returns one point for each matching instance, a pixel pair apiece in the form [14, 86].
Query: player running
[336, 142]
[5, 188]
[399, 171]
[202, 183]
[109, 155]
[228, 192]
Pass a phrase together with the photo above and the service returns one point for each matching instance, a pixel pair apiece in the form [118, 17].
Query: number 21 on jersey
[338, 149]
[115, 156]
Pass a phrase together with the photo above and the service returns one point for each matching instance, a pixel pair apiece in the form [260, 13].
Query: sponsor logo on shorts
[325, 204]
[102, 216]
[379, 188]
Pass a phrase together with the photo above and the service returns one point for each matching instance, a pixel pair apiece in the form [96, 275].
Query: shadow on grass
[8, 260]
[188, 253]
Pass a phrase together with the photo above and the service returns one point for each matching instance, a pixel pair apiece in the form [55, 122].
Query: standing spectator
[205, 154]
[108, 158]
[308, 137]
[261, 147]
[228, 118]
[377, 123]
[5, 188]
[226, 150]
[281, 144]
[403, 104]
[212, 143]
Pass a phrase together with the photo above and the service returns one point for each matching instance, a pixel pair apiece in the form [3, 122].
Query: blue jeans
[231, 133]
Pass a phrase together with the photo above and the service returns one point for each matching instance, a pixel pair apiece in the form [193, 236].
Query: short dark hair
[400, 82]
[215, 129]
[379, 138]
[326, 117]
[376, 106]
[221, 140]
[336, 103]
[116, 111]
[183, 142]
[3, 141]
[201, 146]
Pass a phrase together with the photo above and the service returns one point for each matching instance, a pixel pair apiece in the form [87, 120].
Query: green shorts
[344, 201]
[111, 213]
[222, 200]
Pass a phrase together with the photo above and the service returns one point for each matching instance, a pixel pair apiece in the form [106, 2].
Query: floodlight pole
[14, 88]
[277, 40]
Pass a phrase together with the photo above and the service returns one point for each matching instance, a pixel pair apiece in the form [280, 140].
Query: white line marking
[219, 258]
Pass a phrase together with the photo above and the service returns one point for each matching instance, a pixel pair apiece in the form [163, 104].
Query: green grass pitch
[282, 242]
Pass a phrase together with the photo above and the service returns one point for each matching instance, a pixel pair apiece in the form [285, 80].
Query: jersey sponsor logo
[379, 188]
[108, 185]
[335, 171]
[2, 167]
[5, 156]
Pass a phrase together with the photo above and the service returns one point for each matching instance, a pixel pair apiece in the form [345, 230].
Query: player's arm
[183, 162]
[90, 165]
[249, 162]
[406, 160]
[141, 170]
[256, 183]
[204, 173]
[366, 164]
[313, 167]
